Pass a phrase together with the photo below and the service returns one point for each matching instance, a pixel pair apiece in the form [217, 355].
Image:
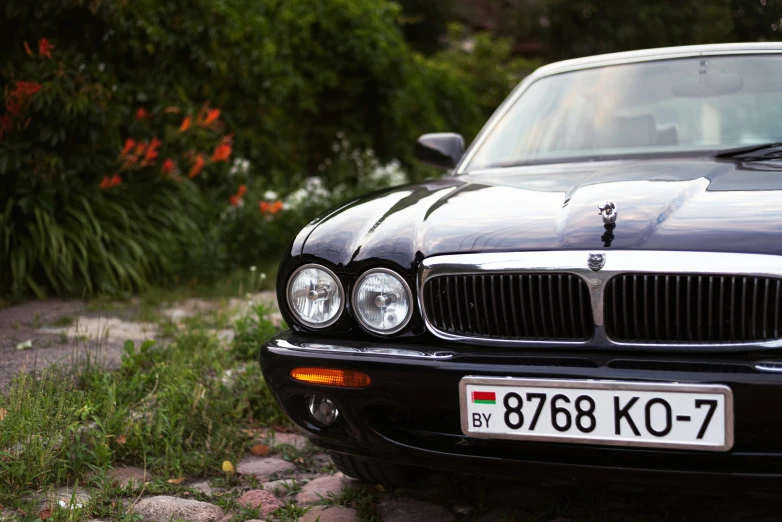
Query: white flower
[263, 275]
[270, 195]
[389, 174]
[239, 166]
[253, 268]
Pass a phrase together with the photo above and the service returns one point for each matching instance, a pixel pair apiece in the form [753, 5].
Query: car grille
[510, 306]
[692, 309]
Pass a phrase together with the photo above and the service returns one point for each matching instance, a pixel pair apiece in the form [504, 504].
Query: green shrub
[84, 213]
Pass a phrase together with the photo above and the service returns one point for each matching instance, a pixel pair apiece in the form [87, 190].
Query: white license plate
[616, 413]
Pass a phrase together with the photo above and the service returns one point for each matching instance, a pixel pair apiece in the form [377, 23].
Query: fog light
[322, 410]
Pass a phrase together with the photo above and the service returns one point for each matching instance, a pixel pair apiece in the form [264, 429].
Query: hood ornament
[609, 212]
[596, 261]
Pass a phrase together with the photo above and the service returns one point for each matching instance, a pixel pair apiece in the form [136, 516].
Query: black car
[597, 286]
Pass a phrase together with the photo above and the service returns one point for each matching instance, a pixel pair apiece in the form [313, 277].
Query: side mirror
[440, 149]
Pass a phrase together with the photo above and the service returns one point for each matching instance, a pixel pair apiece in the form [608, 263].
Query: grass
[169, 408]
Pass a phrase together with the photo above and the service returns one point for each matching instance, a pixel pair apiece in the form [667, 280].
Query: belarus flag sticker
[480, 397]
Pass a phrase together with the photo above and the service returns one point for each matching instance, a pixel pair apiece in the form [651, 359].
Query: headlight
[315, 296]
[382, 301]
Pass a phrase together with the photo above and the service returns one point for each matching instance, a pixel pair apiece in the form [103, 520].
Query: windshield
[682, 105]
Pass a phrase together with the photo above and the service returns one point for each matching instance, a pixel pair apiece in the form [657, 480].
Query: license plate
[617, 413]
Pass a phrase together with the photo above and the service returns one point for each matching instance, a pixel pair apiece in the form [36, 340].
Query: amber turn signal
[331, 377]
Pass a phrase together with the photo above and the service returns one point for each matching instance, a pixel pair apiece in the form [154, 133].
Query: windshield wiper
[754, 152]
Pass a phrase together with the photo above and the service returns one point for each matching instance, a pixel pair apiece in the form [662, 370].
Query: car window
[693, 104]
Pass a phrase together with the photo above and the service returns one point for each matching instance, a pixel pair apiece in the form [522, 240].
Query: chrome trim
[616, 263]
[410, 300]
[370, 350]
[603, 60]
[316, 326]
[769, 366]
[719, 389]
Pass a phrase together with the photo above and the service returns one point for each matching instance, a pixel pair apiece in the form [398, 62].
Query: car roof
[662, 53]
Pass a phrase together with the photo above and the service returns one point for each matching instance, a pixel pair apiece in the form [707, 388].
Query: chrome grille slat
[652, 299]
[748, 307]
[549, 293]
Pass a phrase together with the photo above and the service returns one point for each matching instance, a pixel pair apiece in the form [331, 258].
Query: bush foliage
[163, 140]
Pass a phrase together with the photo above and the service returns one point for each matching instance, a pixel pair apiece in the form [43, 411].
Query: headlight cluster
[382, 300]
[315, 295]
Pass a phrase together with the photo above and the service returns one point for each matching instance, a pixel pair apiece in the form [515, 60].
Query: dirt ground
[36, 322]
[61, 331]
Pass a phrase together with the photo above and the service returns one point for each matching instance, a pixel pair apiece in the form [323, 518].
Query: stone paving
[268, 481]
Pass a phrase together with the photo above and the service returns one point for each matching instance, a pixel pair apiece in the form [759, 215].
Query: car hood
[691, 204]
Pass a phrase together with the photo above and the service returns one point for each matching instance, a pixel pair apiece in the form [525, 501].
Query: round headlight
[382, 301]
[315, 296]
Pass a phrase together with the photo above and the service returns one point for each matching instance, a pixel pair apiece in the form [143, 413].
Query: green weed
[169, 408]
[251, 331]
[364, 500]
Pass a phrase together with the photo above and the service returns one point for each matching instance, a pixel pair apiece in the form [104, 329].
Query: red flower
[26, 89]
[15, 102]
[267, 208]
[140, 148]
[5, 124]
[198, 164]
[142, 114]
[167, 167]
[151, 152]
[109, 182]
[185, 124]
[222, 152]
[45, 48]
[242, 191]
[129, 144]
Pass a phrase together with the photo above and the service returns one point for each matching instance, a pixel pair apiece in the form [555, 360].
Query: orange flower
[27, 49]
[105, 183]
[211, 117]
[267, 208]
[45, 48]
[198, 164]
[185, 124]
[142, 114]
[116, 180]
[168, 167]
[222, 152]
[129, 144]
[236, 199]
[140, 148]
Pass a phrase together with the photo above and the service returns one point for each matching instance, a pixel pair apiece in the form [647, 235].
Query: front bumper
[410, 412]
